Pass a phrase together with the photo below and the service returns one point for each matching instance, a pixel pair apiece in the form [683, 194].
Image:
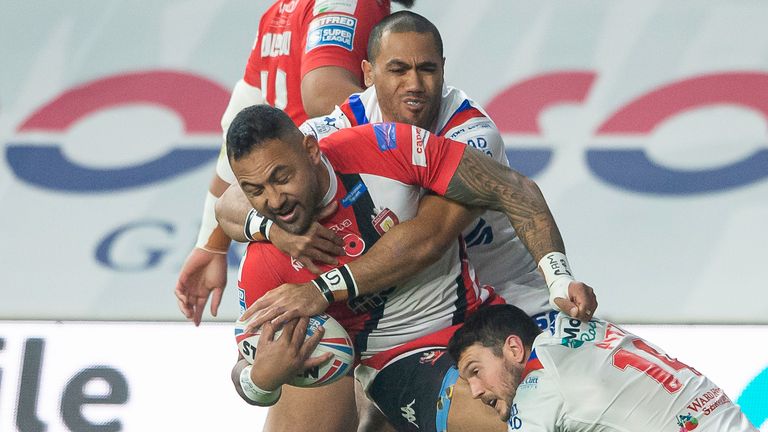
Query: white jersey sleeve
[612, 380]
[243, 96]
[323, 126]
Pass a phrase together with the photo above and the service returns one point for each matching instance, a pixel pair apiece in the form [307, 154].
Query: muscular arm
[231, 211]
[412, 245]
[325, 87]
[481, 182]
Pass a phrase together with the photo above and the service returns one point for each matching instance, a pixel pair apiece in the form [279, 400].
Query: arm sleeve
[334, 35]
[324, 126]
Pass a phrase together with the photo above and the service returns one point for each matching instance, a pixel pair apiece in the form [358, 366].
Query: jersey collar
[332, 183]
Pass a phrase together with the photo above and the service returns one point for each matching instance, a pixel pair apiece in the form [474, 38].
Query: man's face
[491, 379]
[408, 76]
[281, 182]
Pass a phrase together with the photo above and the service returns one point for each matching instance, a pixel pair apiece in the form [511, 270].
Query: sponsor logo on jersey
[514, 421]
[419, 139]
[385, 136]
[344, 6]
[276, 44]
[320, 127]
[384, 221]
[288, 6]
[331, 30]
[357, 191]
[687, 422]
[707, 402]
[574, 335]
[431, 356]
[241, 300]
[409, 413]
[530, 383]
[346, 223]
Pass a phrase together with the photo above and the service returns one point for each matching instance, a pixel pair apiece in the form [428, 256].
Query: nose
[475, 388]
[414, 81]
[274, 198]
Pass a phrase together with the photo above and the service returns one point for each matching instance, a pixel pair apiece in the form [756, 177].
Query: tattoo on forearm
[482, 182]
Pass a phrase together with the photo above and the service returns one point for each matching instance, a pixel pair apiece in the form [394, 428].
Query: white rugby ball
[335, 340]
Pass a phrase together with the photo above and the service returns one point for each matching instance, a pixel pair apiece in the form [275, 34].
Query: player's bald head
[257, 124]
[402, 22]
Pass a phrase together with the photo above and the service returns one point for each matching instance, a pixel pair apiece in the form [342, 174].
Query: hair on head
[401, 22]
[255, 124]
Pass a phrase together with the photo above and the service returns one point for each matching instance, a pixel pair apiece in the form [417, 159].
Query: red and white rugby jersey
[596, 376]
[381, 170]
[297, 36]
[495, 251]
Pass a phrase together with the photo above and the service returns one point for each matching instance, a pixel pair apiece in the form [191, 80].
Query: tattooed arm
[482, 182]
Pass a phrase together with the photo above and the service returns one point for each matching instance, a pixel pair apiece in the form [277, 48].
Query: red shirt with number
[297, 36]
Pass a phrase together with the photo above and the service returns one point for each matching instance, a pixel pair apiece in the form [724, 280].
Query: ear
[310, 145]
[514, 349]
[367, 72]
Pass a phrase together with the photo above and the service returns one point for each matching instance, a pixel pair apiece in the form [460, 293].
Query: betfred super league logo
[687, 422]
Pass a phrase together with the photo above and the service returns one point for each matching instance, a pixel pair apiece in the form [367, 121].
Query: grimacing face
[491, 378]
[280, 180]
[408, 76]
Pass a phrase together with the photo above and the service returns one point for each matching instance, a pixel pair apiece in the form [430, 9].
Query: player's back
[596, 376]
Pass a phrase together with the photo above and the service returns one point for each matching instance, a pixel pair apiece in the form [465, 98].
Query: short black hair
[255, 124]
[402, 22]
[490, 327]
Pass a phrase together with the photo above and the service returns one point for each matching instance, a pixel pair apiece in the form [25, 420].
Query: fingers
[567, 306]
[199, 307]
[267, 334]
[328, 210]
[318, 255]
[309, 265]
[216, 300]
[313, 341]
[317, 361]
[300, 330]
[330, 235]
[288, 331]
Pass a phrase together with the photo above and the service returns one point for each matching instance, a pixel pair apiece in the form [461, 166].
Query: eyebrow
[401, 63]
[272, 177]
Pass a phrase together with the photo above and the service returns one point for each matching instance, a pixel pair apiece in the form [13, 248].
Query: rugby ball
[335, 340]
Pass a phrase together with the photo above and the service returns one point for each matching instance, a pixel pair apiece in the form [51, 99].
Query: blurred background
[644, 124]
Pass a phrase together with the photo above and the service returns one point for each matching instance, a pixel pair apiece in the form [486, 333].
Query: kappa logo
[409, 413]
[384, 221]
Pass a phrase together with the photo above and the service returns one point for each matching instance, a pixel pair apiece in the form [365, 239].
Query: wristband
[557, 274]
[336, 280]
[256, 394]
[210, 237]
[254, 223]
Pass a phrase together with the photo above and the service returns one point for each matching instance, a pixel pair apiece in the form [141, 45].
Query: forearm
[231, 211]
[482, 182]
[410, 246]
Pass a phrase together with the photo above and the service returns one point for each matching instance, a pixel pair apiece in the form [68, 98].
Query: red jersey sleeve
[401, 152]
[335, 33]
[258, 273]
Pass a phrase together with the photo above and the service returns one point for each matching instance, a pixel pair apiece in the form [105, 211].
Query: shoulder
[462, 119]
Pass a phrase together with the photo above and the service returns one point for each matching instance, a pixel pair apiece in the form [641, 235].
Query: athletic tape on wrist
[208, 225]
[256, 394]
[557, 274]
[339, 280]
[254, 223]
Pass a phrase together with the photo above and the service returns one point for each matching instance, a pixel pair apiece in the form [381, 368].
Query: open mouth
[286, 215]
